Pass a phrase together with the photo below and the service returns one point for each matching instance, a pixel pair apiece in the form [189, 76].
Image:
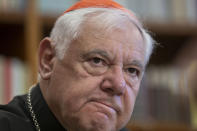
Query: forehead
[120, 38]
[104, 25]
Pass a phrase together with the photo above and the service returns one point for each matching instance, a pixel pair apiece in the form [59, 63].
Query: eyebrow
[138, 64]
[97, 51]
[106, 55]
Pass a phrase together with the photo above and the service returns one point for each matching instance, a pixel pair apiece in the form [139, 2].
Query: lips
[108, 104]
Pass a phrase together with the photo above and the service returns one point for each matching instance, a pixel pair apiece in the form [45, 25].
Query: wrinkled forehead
[102, 23]
[118, 31]
[109, 20]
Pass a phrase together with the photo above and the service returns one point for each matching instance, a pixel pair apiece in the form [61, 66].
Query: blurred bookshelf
[20, 36]
[165, 101]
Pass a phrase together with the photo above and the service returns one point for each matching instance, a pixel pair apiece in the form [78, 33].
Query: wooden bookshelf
[20, 33]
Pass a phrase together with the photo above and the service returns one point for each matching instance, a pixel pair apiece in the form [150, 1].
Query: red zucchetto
[99, 4]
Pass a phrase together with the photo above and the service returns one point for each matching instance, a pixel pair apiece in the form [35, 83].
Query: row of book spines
[13, 5]
[13, 78]
[162, 97]
[50, 7]
[169, 94]
[161, 105]
[151, 10]
[164, 10]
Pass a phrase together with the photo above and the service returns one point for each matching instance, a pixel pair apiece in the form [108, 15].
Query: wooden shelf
[158, 127]
[12, 18]
[175, 29]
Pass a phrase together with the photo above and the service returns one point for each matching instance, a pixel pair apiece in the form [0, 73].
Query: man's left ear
[46, 58]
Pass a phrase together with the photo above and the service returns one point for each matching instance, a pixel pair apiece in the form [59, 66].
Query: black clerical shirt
[15, 116]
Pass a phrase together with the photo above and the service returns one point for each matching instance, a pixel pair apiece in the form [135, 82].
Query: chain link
[31, 110]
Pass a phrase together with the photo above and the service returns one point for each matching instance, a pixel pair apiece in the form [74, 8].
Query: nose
[114, 81]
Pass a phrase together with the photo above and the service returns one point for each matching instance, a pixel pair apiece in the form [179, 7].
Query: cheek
[77, 92]
[74, 98]
[128, 101]
[130, 96]
[72, 84]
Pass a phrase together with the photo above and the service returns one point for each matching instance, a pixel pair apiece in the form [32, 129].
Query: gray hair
[68, 26]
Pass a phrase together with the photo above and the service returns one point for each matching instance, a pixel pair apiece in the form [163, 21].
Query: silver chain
[31, 110]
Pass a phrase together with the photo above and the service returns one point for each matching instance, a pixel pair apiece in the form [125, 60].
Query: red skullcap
[98, 3]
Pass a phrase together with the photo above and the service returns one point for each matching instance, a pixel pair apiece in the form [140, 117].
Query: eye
[133, 71]
[96, 61]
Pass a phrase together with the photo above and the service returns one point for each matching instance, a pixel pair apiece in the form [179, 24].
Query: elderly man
[90, 72]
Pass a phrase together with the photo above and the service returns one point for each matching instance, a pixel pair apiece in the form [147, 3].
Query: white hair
[68, 27]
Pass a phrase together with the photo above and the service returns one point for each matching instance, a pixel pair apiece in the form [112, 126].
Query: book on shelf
[1, 79]
[192, 84]
[157, 11]
[7, 80]
[13, 78]
[191, 10]
[18, 77]
[179, 11]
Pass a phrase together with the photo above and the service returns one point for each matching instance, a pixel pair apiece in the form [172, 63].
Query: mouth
[108, 105]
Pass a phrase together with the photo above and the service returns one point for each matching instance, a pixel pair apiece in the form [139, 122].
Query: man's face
[95, 86]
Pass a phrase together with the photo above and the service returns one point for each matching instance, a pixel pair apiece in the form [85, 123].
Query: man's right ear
[46, 58]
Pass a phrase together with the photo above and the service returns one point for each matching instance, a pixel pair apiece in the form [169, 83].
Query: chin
[102, 126]
[98, 127]
[98, 122]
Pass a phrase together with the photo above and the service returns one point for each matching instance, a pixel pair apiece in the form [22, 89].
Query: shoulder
[16, 107]
[14, 117]
[4, 122]
[11, 122]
